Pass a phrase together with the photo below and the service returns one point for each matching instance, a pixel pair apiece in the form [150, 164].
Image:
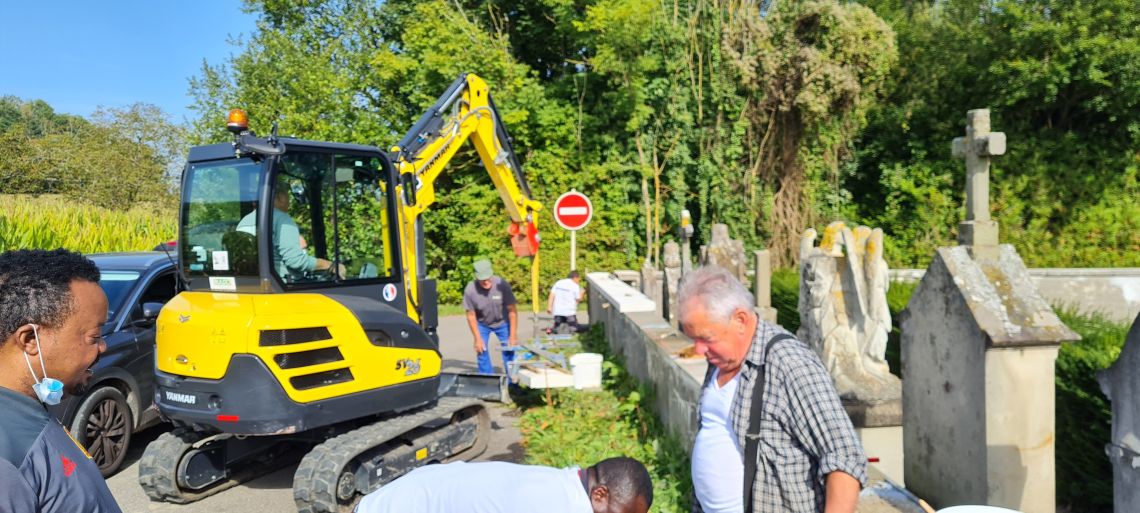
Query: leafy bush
[1084, 415]
[571, 427]
[44, 222]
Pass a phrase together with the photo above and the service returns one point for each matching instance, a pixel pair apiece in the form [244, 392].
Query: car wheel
[103, 425]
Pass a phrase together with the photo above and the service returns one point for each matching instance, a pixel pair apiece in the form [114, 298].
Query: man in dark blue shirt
[52, 312]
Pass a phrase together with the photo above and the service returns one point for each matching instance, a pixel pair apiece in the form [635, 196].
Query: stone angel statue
[843, 308]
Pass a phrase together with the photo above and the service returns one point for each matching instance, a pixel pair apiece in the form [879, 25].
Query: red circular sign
[573, 211]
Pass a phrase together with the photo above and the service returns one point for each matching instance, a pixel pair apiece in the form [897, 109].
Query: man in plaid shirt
[808, 456]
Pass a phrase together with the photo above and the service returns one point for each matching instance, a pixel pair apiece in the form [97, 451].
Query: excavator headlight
[237, 121]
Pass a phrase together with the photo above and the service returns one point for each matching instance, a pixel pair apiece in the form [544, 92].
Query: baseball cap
[483, 270]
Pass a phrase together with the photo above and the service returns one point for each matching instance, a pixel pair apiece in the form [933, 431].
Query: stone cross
[977, 147]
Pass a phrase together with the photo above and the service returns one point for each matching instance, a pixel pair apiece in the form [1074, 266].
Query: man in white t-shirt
[807, 457]
[563, 303]
[614, 485]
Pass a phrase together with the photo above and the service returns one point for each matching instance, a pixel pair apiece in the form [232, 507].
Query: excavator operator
[289, 257]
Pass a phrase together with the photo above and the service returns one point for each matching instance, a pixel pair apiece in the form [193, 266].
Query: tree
[122, 158]
[1061, 80]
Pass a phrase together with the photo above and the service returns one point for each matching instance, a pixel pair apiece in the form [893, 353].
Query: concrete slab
[620, 295]
[545, 378]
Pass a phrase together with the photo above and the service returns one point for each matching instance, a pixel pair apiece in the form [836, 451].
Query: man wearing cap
[491, 308]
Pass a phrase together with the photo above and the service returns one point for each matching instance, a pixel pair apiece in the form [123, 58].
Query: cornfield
[49, 222]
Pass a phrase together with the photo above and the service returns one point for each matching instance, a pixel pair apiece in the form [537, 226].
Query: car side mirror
[150, 312]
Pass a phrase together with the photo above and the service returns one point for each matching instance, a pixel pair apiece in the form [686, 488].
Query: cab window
[218, 197]
[337, 211]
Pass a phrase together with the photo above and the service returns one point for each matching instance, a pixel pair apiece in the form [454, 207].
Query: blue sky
[79, 55]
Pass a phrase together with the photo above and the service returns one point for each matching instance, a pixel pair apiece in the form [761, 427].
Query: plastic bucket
[587, 369]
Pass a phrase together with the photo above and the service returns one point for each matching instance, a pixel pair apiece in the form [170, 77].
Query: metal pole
[573, 250]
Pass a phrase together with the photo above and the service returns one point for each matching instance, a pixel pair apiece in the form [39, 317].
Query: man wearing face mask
[52, 312]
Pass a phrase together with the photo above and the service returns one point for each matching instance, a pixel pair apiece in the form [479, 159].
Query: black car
[120, 398]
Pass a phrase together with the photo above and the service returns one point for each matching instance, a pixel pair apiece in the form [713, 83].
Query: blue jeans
[503, 332]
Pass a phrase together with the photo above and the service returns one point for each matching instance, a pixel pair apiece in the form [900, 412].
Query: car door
[158, 289]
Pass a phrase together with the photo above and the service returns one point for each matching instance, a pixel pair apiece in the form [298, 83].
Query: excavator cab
[308, 317]
[326, 214]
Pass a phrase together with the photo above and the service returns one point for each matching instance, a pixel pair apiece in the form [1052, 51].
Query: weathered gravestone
[729, 254]
[845, 318]
[651, 280]
[1121, 384]
[979, 345]
[843, 308]
[726, 252]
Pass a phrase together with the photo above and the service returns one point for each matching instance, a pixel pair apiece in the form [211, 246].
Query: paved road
[273, 492]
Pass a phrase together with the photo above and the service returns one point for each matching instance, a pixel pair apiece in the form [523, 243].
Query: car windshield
[116, 284]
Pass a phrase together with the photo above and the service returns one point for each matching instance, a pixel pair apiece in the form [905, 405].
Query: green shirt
[289, 259]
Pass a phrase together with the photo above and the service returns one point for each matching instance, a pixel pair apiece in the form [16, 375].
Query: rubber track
[314, 484]
[158, 469]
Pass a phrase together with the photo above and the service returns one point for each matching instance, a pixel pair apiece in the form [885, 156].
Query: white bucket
[587, 369]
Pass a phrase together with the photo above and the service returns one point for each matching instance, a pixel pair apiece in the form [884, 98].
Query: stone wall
[1113, 292]
[649, 346]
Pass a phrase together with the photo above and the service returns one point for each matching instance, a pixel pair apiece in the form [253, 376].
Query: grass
[570, 427]
[451, 310]
[49, 222]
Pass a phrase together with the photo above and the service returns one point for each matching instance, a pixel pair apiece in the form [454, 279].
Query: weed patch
[569, 427]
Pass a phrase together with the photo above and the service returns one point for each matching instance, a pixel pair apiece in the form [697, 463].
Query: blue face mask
[50, 391]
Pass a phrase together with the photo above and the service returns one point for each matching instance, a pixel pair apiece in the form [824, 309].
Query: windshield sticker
[221, 260]
[223, 283]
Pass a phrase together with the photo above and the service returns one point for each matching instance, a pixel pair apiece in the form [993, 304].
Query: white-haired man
[803, 452]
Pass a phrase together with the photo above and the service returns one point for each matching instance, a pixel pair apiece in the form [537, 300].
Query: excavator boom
[464, 111]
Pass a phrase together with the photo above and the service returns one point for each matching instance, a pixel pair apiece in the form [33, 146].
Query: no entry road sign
[573, 210]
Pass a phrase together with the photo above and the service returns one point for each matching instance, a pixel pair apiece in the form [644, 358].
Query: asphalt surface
[273, 492]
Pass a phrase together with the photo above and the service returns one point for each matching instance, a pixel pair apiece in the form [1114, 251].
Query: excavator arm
[464, 111]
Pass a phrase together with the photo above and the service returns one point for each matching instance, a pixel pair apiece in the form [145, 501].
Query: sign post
[573, 211]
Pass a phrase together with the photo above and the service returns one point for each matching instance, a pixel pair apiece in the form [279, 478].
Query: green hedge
[1083, 414]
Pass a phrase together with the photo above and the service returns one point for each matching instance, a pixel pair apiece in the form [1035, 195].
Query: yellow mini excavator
[308, 324]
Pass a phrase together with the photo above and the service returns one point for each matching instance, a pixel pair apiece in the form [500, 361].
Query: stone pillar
[672, 261]
[651, 284]
[1121, 384]
[762, 288]
[685, 230]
